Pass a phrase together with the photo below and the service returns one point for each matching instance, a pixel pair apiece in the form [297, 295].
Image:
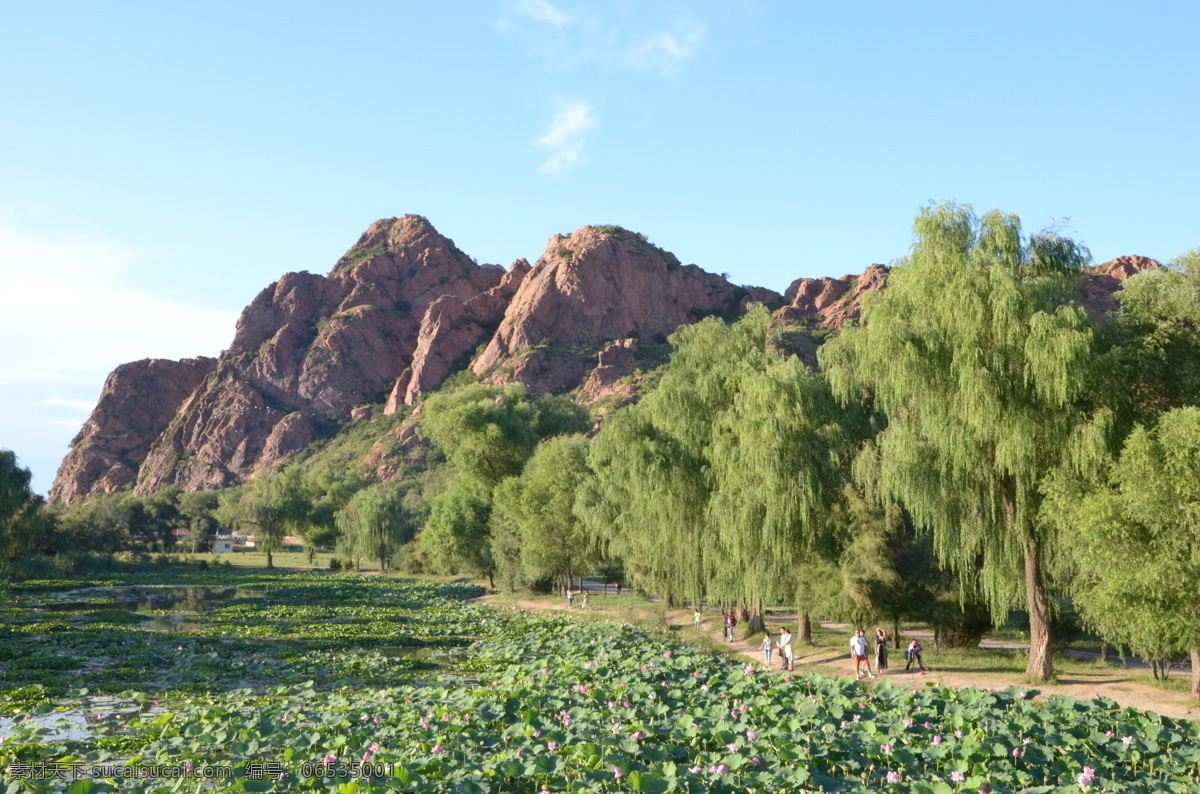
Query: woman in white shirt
[785, 647]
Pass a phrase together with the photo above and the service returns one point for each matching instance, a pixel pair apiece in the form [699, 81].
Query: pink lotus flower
[551, 746]
[893, 777]
[329, 759]
[617, 773]
[751, 735]
[374, 748]
[754, 761]
[437, 748]
[731, 747]
[937, 739]
[957, 776]
[887, 748]
[638, 735]
[719, 769]
[1087, 777]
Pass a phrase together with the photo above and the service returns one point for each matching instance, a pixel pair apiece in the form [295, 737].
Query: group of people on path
[858, 652]
[571, 599]
[858, 647]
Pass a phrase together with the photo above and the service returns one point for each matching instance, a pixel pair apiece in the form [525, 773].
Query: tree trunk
[804, 627]
[1195, 654]
[1041, 664]
[1104, 651]
[756, 621]
[896, 633]
[743, 612]
[311, 552]
[491, 580]
[270, 561]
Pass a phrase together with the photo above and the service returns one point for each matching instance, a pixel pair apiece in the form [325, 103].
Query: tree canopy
[978, 357]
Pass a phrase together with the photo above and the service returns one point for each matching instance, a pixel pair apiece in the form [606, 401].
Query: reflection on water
[193, 599]
[83, 719]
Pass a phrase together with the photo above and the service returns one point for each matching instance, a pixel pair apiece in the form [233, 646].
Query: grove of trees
[978, 441]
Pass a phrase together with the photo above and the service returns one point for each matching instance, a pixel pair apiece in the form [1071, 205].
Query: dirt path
[1119, 684]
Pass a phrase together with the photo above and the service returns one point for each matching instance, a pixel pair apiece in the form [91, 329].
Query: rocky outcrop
[613, 364]
[137, 404]
[1101, 282]
[309, 349]
[830, 302]
[600, 284]
[451, 329]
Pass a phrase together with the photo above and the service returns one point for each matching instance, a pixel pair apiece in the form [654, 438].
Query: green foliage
[1157, 361]
[487, 433]
[21, 523]
[536, 509]
[717, 483]
[1137, 541]
[374, 523]
[295, 677]
[978, 358]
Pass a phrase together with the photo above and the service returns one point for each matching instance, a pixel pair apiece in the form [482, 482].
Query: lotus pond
[306, 681]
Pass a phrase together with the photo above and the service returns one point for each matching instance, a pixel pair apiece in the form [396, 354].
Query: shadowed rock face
[1099, 283]
[309, 349]
[404, 309]
[832, 302]
[597, 285]
[137, 404]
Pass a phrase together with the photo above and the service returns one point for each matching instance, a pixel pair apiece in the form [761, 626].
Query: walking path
[1120, 684]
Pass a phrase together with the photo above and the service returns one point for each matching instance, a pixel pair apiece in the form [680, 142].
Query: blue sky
[160, 163]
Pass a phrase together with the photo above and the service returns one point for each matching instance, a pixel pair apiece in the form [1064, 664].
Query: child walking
[766, 649]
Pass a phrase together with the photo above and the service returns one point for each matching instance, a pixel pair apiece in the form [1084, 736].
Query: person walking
[730, 622]
[858, 650]
[785, 649]
[585, 599]
[766, 646]
[570, 598]
[913, 654]
[696, 615]
[881, 649]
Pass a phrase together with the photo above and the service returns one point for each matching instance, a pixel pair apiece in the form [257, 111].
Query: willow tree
[487, 433]
[538, 507]
[375, 523]
[1137, 535]
[978, 357]
[712, 487]
[775, 467]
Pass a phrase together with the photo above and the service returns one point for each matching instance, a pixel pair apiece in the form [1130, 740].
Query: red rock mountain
[599, 285]
[138, 403]
[403, 309]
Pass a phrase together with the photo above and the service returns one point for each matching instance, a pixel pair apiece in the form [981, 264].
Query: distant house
[223, 544]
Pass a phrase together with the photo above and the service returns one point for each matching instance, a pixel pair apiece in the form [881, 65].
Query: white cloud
[634, 37]
[664, 52]
[542, 11]
[68, 316]
[564, 139]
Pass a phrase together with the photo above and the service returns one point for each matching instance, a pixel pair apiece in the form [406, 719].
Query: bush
[334, 565]
[958, 625]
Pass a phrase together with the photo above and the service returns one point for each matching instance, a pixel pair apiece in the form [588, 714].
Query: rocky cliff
[590, 289]
[402, 310]
[137, 404]
[308, 350]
